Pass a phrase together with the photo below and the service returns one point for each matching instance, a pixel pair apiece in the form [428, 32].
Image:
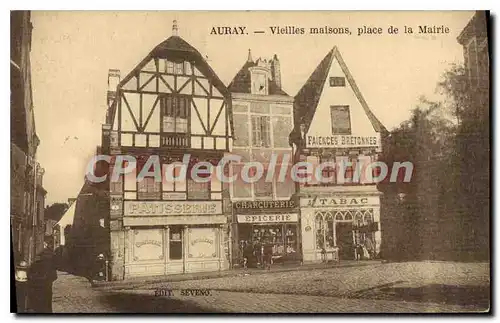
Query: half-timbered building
[334, 124]
[170, 105]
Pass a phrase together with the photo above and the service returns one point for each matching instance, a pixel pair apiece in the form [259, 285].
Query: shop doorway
[345, 241]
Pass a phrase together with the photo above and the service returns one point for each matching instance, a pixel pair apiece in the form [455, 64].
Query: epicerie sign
[133, 208]
[339, 201]
[342, 141]
[268, 218]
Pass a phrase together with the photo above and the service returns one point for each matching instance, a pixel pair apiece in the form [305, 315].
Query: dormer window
[260, 83]
[336, 81]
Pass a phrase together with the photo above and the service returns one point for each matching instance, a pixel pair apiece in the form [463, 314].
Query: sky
[73, 50]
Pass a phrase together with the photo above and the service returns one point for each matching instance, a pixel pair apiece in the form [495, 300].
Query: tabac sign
[349, 201]
[342, 141]
[143, 208]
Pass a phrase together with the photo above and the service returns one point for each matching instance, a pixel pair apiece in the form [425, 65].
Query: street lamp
[21, 286]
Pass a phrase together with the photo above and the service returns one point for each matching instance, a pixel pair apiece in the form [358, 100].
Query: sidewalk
[131, 283]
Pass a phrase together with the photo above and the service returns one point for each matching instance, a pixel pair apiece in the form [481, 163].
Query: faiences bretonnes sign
[342, 141]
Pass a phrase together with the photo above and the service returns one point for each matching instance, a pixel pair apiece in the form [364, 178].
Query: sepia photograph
[178, 162]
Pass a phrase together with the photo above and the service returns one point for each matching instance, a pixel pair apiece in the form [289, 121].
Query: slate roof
[307, 99]
[241, 82]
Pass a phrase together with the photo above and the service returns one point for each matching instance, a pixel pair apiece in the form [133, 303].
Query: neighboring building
[474, 39]
[27, 193]
[474, 135]
[333, 123]
[263, 115]
[171, 104]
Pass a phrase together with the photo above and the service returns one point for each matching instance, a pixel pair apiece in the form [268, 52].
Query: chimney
[276, 71]
[175, 29]
[113, 81]
[249, 60]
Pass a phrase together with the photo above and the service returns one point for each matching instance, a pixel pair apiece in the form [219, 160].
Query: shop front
[269, 223]
[343, 226]
[174, 237]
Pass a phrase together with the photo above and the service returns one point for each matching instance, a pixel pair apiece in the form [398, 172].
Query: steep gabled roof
[174, 48]
[307, 99]
[241, 82]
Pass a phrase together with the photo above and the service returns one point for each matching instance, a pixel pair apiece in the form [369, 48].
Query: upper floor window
[472, 61]
[336, 81]
[261, 135]
[175, 113]
[147, 188]
[341, 120]
[170, 67]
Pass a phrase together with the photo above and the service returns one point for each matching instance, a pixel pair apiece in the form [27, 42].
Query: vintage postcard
[250, 162]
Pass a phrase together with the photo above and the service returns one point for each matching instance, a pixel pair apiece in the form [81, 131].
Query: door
[345, 241]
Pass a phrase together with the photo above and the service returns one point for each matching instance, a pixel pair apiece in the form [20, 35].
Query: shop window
[341, 120]
[175, 243]
[261, 131]
[320, 232]
[175, 113]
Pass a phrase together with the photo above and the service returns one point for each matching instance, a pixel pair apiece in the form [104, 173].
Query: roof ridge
[377, 125]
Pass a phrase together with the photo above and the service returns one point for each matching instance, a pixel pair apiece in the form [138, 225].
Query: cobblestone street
[75, 295]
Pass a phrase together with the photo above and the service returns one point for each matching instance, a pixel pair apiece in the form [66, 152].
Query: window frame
[337, 130]
[174, 111]
[337, 81]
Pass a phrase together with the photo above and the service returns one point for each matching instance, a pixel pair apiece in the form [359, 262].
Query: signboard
[349, 201]
[147, 244]
[156, 208]
[268, 218]
[342, 141]
[202, 243]
[252, 207]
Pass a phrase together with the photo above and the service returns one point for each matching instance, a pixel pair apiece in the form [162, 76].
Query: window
[198, 190]
[241, 130]
[170, 67]
[175, 245]
[148, 188]
[179, 68]
[175, 113]
[282, 126]
[341, 120]
[263, 188]
[472, 63]
[328, 172]
[260, 131]
[337, 81]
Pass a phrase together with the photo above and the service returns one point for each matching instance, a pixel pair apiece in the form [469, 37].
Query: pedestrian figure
[257, 250]
[268, 256]
[41, 276]
[247, 254]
